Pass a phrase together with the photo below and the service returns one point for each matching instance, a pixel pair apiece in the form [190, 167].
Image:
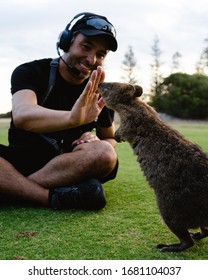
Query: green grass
[4, 124]
[129, 227]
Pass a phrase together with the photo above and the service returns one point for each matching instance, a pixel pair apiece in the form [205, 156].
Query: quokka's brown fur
[175, 168]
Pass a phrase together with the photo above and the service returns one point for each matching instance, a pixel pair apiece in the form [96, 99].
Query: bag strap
[51, 82]
[52, 78]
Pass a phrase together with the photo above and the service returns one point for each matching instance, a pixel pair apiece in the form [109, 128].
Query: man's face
[86, 54]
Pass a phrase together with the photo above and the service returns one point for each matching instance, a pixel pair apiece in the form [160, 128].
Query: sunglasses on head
[99, 24]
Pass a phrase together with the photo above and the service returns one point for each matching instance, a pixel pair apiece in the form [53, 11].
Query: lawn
[128, 228]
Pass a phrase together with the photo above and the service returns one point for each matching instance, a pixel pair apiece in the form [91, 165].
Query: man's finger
[101, 103]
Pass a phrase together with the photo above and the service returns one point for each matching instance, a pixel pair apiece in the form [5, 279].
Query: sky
[29, 30]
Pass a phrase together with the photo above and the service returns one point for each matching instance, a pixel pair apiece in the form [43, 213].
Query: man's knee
[102, 157]
[108, 153]
[109, 160]
[101, 150]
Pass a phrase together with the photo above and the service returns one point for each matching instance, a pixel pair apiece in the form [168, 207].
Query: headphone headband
[79, 17]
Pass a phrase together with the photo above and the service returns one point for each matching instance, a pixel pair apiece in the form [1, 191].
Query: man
[54, 158]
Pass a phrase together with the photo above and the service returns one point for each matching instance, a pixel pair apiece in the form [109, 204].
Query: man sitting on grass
[53, 157]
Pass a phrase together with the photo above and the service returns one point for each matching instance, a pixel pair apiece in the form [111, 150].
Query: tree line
[5, 115]
[179, 94]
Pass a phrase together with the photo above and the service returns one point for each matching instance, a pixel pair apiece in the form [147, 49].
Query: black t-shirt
[35, 76]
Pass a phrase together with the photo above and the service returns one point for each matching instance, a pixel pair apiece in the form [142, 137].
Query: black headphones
[66, 36]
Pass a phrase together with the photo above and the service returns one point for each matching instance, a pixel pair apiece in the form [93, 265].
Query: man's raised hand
[88, 106]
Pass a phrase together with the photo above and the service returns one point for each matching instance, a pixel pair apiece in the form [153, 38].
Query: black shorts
[28, 160]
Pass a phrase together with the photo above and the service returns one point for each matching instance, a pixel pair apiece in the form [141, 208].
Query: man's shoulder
[39, 68]
[31, 75]
[38, 63]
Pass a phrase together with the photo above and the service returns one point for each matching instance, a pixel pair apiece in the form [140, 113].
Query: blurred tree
[202, 64]
[157, 78]
[129, 67]
[183, 96]
[206, 54]
[176, 66]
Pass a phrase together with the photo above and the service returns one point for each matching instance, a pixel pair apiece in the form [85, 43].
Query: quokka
[175, 168]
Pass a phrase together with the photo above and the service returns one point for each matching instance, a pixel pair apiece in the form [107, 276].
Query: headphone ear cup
[64, 40]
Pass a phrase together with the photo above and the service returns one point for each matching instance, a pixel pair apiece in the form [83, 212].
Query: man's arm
[102, 133]
[30, 116]
[107, 134]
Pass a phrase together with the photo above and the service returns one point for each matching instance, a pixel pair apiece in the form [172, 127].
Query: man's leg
[89, 160]
[14, 184]
[85, 162]
[75, 171]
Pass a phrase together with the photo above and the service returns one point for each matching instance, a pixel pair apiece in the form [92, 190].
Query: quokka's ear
[138, 91]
